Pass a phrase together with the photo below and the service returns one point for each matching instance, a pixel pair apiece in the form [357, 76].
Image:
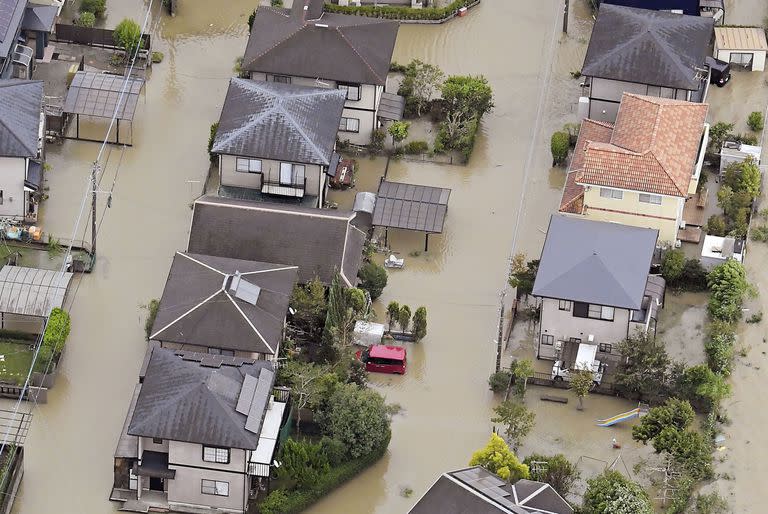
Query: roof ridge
[250, 324]
[190, 311]
[278, 43]
[348, 42]
[666, 172]
[617, 48]
[296, 125]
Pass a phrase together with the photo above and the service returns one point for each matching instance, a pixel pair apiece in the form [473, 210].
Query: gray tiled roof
[318, 241]
[21, 102]
[595, 262]
[102, 95]
[39, 17]
[11, 14]
[337, 47]
[648, 47]
[281, 122]
[197, 307]
[188, 398]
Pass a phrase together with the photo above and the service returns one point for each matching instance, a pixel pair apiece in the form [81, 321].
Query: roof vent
[243, 289]
[323, 25]
[306, 7]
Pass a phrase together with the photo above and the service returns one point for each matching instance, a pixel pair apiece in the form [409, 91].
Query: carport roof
[98, 94]
[32, 291]
[411, 207]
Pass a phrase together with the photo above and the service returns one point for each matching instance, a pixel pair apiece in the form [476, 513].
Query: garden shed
[30, 292]
[745, 47]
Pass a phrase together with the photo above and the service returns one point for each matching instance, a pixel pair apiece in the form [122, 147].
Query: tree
[581, 383]
[672, 265]
[497, 458]
[717, 134]
[703, 387]
[728, 285]
[341, 315]
[749, 178]
[303, 462]
[716, 225]
[516, 419]
[393, 311]
[612, 493]
[467, 96]
[128, 36]
[644, 365]
[674, 413]
[420, 82]
[755, 121]
[404, 317]
[691, 450]
[559, 145]
[522, 370]
[419, 328]
[212, 139]
[305, 383]
[356, 417]
[399, 131]
[308, 302]
[95, 7]
[522, 274]
[86, 19]
[554, 470]
[57, 330]
[373, 278]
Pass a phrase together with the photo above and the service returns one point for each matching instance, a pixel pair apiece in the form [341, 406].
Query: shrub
[43, 362]
[276, 3]
[416, 147]
[499, 381]
[711, 503]
[334, 450]
[672, 265]
[719, 348]
[152, 309]
[251, 18]
[95, 7]
[373, 278]
[400, 13]
[728, 283]
[694, 277]
[404, 318]
[703, 387]
[715, 225]
[302, 462]
[558, 472]
[157, 57]
[559, 145]
[497, 458]
[86, 19]
[57, 330]
[398, 130]
[612, 493]
[377, 141]
[755, 121]
[419, 324]
[759, 233]
[674, 413]
[128, 36]
[211, 138]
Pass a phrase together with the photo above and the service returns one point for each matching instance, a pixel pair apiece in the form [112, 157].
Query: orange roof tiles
[573, 193]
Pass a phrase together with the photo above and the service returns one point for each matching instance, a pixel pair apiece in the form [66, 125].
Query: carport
[31, 292]
[745, 47]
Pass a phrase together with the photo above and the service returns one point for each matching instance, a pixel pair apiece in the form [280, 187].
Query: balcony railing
[293, 189]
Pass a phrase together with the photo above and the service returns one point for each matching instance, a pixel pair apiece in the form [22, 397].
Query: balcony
[294, 189]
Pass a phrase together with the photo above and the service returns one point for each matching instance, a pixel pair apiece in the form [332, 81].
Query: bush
[86, 19]
[755, 121]
[728, 283]
[703, 387]
[157, 57]
[43, 362]
[302, 462]
[373, 278]
[719, 348]
[276, 3]
[128, 36]
[95, 7]
[759, 233]
[211, 138]
[152, 309]
[715, 226]
[334, 450]
[416, 147]
[377, 141]
[498, 458]
[694, 277]
[559, 146]
[672, 265]
[57, 330]
[558, 472]
[499, 381]
[612, 493]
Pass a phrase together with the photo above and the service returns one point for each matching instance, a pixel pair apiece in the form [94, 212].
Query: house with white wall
[224, 306]
[22, 127]
[595, 286]
[644, 52]
[201, 434]
[641, 170]
[308, 47]
[276, 142]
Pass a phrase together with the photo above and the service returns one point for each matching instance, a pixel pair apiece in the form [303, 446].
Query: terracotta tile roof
[653, 147]
[573, 193]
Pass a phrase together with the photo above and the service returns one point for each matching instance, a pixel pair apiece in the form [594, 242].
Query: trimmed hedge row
[281, 501]
[401, 13]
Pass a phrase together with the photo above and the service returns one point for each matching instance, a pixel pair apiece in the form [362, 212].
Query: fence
[91, 36]
[545, 379]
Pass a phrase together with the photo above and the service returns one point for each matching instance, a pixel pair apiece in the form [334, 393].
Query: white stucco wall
[758, 60]
[606, 93]
[270, 171]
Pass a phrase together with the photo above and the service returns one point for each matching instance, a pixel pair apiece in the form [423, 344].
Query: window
[604, 347]
[594, 311]
[349, 125]
[133, 480]
[1, 197]
[606, 313]
[574, 340]
[547, 339]
[291, 174]
[654, 91]
[248, 165]
[214, 487]
[606, 192]
[564, 305]
[654, 199]
[219, 351]
[587, 310]
[213, 454]
[353, 91]
[742, 59]
[157, 440]
[281, 79]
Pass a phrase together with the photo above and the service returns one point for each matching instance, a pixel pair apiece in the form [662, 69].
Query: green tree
[644, 366]
[128, 36]
[612, 493]
[393, 311]
[419, 328]
[522, 274]
[674, 413]
[755, 121]
[516, 419]
[308, 302]
[689, 449]
[356, 417]
[581, 383]
[749, 178]
[86, 19]
[728, 285]
[57, 330]
[467, 95]
[523, 370]
[672, 265]
[341, 315]
[399, 131]
[554, 470]
[498, 458]
[211, 139]
[702, 386]
[420, 81]
[152, 307]
[404, 318]
[719, 347]
[306, 386]
[95, 7]
[716, 226]
[559, 145]
[717, 135]
[303, 462]
[373, 278]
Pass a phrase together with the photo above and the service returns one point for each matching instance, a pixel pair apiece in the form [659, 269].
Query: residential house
[224, 306]
[277, 141]
[644, 52]
[200, 435]
[320, 242]
[305, 46]
[690, 7]
[479, 491]
[22, 127]
[641, 170]
[16, 59]
[594, 285]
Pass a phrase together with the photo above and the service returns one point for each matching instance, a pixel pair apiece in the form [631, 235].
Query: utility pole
[501, 333]
[565, 16]
[94, 169]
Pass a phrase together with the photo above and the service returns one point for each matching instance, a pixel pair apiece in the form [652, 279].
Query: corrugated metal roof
[391, 107]
[740, 38]
[32, 291]
[98, 94]
[411, 207]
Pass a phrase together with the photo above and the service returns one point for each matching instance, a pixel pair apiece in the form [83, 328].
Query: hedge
[401, 13]
[57, 330]
[281, 501]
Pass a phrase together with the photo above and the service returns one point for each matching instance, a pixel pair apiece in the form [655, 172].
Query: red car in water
[384, 359]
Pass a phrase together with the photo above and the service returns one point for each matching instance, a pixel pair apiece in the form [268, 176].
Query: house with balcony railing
[276, 142]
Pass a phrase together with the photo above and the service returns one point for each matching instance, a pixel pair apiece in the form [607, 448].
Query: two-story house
[277, 141]
[224, 306]
[306, 46]
[201, 434]
[644, 52]
[22, 127]
[641, 170]
[594, 285]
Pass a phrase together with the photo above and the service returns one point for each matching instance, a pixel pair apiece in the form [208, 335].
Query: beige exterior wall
[605, 95]
[270, 171]
[699, 161]
[13, 172]
[758, 59]
[204, 349]
[629, 210]
[562, 324]
[147, 444]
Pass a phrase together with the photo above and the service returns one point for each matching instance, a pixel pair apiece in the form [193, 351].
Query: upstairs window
[214, 454]
[282, 79]
[654, 199]
[349, 125]
[214, 487]
[353, 91]
[248, 165]
[615, 194]
[593, 311]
